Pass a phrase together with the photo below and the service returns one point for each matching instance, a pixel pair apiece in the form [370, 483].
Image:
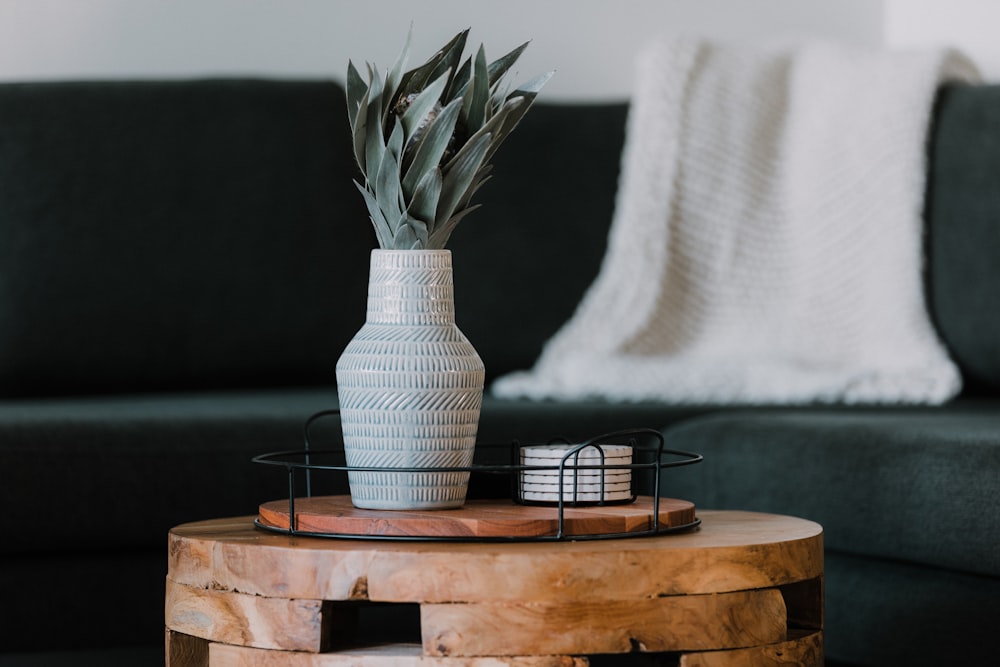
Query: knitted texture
[767, 239]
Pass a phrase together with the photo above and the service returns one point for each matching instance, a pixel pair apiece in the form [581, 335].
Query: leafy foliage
[424, 138]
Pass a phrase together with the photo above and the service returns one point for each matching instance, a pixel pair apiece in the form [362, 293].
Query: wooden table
[743, 589]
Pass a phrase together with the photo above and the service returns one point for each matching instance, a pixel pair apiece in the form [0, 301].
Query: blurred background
[591, 43]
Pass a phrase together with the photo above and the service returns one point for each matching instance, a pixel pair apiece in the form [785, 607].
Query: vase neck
[411, 287]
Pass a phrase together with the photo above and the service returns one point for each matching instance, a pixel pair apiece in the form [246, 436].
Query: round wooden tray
[477, 519]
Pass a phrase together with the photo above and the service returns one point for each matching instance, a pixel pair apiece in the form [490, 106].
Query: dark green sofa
[181, 264]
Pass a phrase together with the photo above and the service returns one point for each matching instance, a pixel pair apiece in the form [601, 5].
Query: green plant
[424, 138]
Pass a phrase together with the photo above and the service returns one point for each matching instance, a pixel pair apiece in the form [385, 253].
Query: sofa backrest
[168, 235]
[202, 234]
[963, 230]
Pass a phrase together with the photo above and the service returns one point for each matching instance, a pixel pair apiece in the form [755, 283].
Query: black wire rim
[294, 461]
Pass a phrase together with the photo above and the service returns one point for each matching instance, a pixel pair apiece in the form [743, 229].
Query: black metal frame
[302, 460]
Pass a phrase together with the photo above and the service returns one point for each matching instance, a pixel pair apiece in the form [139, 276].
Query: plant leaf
[431, 146]
[451, 56]
[425, 198]
[419, 230]
[531, 88]
[411, 234]
[439, 239]
[499, 125]
[423, 104]
[382, 231]
[396, 73]
[405, 238]
[459, 82]
[361, 135]
[524, 96]
[416, 80]
[396, 139]
[387, 186]
[506, 120]
[500, 66]
[356, 91]
[475, 101]
[496, 71]
[375, 141]
[459, 174]
[482, 176]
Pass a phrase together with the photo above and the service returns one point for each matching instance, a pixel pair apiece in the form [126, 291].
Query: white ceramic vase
[410, 386]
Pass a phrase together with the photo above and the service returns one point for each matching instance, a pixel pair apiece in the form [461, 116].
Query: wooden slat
[393, 655]
[184, 650]
[248, 620]
[676, 623]
[232, 554]
[802, 649]
[731, 551]
[804, 600]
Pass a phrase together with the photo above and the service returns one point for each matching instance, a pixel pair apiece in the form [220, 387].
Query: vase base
[400, 497]
[409, 491]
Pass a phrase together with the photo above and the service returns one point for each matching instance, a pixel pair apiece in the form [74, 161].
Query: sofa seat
[886, 612]
[907, 498]
[912, 485]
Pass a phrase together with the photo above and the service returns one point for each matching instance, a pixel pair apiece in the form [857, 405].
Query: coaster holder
[570, 463]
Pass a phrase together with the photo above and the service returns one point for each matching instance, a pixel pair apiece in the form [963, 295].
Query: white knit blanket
[767, 239]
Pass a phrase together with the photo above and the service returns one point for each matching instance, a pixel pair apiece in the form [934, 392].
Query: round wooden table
[744, 588]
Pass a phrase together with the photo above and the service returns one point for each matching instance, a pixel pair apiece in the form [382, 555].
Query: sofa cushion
[880, 612]
[117, 472]
[176, 234]
[963, 218]
[908, 484]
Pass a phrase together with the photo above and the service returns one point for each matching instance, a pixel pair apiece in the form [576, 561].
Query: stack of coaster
[543, 485]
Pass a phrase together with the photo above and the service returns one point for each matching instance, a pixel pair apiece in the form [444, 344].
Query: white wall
[591, 43]
[972, 25]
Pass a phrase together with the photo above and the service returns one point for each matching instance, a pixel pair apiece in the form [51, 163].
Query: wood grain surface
[735, 591]
[478, 518]
[249, 620]
[388, 655]
[673, 623]
[730, 551]
[803, 648]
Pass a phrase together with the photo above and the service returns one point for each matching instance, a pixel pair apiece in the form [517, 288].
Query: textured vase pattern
[410, 386]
